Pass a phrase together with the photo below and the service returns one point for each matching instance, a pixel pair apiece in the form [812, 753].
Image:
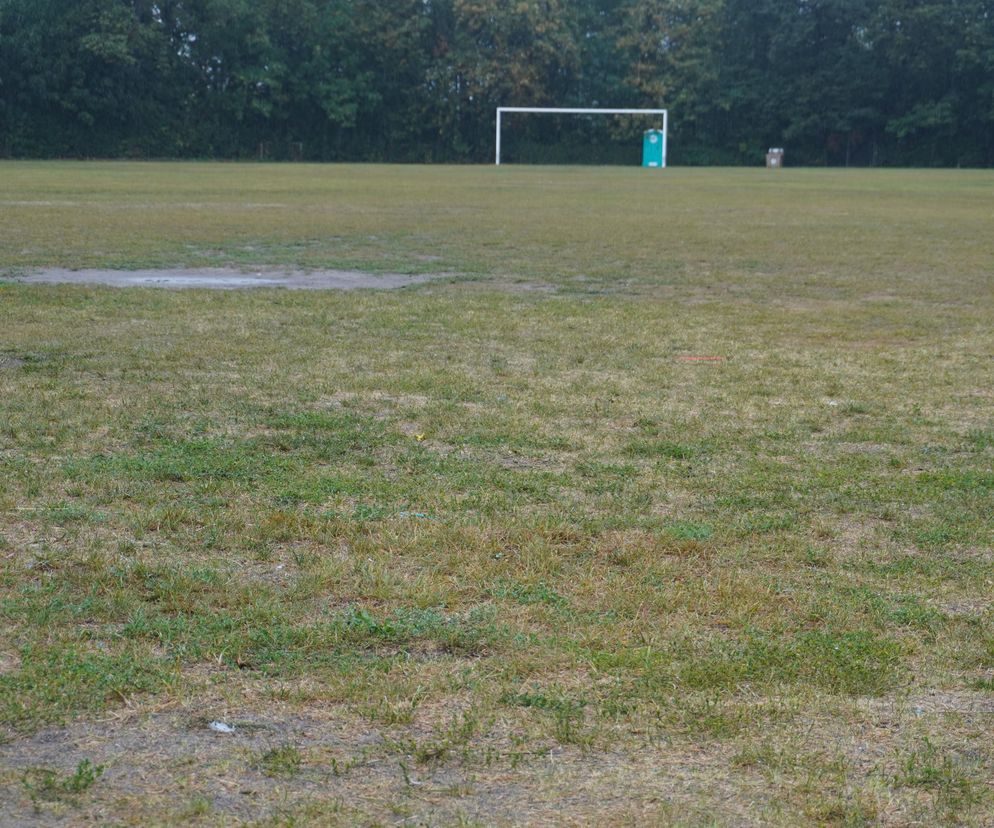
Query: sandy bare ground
[227, 279]
[153, 766]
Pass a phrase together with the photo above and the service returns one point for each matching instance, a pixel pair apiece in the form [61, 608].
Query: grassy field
[500, 549]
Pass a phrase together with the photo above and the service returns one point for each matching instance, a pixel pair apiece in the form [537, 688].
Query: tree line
[836, 82]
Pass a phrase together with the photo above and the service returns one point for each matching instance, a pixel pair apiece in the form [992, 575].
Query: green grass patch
[438, 541]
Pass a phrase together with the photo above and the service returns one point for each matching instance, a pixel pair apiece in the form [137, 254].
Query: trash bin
[654, 148]
[774, 158]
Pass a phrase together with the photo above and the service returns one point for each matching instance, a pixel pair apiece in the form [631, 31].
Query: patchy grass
[46, 786]
[458, 553]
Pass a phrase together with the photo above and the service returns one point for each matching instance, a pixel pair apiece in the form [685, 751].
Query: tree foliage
[835, 81]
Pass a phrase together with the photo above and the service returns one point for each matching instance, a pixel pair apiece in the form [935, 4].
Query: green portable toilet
[654, 148]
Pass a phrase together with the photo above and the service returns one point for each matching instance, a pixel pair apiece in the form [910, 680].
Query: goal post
[547, 110]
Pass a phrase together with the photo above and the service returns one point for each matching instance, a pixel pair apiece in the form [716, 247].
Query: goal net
[659, 118]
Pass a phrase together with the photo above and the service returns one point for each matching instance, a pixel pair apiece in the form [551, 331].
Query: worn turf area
[672, 504]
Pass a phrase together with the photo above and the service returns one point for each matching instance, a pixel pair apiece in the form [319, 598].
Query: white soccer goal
[545, 110]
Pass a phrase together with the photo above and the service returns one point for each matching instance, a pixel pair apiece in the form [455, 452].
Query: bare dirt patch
[219, 278]
[9, 663]
[966, 607]
[379, 404]
[964, 702]
[157, 762]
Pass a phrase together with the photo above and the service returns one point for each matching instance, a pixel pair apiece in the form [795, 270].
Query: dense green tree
[939, 73]
[490, 54]
[670, 51]
[87, 77]
[835, 81]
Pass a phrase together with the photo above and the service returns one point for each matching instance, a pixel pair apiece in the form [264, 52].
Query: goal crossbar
[560, 110]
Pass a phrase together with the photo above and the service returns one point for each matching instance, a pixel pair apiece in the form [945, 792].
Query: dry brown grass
[494, 551]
